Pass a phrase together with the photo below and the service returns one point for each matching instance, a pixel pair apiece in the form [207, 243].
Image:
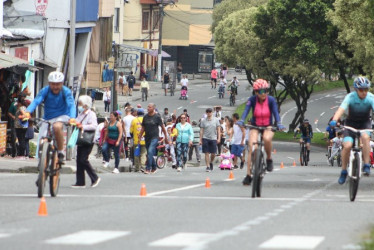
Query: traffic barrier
[42, 207]
[207, 183]
[143, 190]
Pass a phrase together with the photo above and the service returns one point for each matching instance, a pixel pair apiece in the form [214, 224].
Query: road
[301, 207]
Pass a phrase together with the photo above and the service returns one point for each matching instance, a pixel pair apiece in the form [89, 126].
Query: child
[336, 144]
[172, 133]
[225, 158]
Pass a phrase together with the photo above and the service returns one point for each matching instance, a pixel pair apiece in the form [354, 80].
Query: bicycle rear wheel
[355, 178]
[42, 167]
[54, 175]
[160, 161]
[256, 169]
[261, 177]
[305, 156]
[339, 160]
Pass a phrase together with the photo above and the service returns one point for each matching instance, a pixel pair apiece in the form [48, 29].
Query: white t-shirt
[128, 120]
[184, 82]
[237, 136]
[337, 142]
[222, 82]
[123, 78]
[106, 96]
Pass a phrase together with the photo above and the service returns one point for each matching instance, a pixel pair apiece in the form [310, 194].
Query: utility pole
[71, 64]
[115, 76]
[159, 59]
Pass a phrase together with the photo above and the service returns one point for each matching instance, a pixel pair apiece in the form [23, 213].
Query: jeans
[151, 151]
[144, 94]
[106, 106]
[21, 132]
[106, 153]
[182, 149]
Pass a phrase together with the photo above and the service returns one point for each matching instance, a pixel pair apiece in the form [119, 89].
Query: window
[116, 20]
[205, 61]
[145, 20]
[156, 17]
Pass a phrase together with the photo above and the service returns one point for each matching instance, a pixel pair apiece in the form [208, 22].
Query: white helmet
[56, 76]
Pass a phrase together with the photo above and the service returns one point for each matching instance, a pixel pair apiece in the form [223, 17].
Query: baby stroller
[183, 93]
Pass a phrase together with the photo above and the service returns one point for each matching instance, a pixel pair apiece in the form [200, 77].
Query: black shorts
[214, 80]
[209, 146]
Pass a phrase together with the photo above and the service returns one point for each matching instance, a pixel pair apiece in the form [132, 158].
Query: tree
[297, 47]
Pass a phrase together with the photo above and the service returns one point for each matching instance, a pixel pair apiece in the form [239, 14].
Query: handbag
[137, 150]
[85, 138]
[111, 141]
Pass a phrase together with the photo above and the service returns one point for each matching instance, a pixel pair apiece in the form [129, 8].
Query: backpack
[131, 79]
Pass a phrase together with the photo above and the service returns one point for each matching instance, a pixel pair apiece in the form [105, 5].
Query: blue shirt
[331, 131]
[54, 105]
[359, 110]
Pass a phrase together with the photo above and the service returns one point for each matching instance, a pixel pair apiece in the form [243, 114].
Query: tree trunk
[342, 75]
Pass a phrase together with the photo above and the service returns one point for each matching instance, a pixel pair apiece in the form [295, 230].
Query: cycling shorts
[306, 139]
[349, 135]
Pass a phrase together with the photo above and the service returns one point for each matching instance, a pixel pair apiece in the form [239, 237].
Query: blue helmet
[361, 83]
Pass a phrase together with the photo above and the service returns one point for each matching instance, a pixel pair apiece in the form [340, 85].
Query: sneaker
[366, 169]
[153, 171]
[147, 172]
[127, 159]
[199, 161]
[78, 186]
[207, 169]
[174, 166]
[343, 177]
[236, 167]
[242, 165]
[179, 169]
[96, 182]
[269, 165]
[211, 166]
[106, 164]
[115, 171]
[247, 180]
[61, 158]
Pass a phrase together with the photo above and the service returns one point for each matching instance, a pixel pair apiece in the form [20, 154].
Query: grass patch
[32, 148]
[368, 243]
[317, 139]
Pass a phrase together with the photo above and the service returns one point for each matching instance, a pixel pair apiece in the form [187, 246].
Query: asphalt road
[300, 208]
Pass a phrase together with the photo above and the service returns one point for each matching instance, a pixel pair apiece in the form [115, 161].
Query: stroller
[183, 93]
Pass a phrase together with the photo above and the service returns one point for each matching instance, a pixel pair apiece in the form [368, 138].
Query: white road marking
[176, 189]
[322, 113]
[180, 240]
[211, 97]
[180, 107]
[4, 235]
[292, 242]
[87, 237]
[318, 130]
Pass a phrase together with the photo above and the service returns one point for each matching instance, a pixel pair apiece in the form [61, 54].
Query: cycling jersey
[359, 110]
[331, 131]
[306, 131]
[262, 114]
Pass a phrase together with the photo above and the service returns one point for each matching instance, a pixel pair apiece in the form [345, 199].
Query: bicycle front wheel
[305, 157]
[302, 155]
[54, 175]
[160, 161]
[256, 169]
[355, 178]
[42, 167]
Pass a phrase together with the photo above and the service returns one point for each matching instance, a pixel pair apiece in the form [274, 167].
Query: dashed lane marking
[88, 237]
[180, 240]
[292, 242]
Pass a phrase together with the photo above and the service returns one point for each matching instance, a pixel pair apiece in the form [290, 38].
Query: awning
[47, 63]
[125, 48]
[8, 61]
[154, 52]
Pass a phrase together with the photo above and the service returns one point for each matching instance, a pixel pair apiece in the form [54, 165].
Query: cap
[138, 105]
[119, 112]
[141, 111]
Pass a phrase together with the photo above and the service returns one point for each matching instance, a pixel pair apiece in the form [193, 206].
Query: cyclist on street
[233, 86]
[306, 135]
[359, 105]
[59, 108]
[264, 108]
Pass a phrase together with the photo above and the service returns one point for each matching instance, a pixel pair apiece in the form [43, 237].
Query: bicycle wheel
[160, 161]
[305, 156]
[42, 167]
[339, 160]
[261, 177]
[302, 155]
[256, 169]
[54, 175]
[355, 178]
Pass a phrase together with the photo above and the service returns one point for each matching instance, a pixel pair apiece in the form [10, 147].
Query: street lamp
[159, 58]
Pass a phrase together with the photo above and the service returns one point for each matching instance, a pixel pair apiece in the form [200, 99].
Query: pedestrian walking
[107, 98]
[21, 126]
[166, 80]
[166, 115]
[209, 137]
[87, 121]
[127, 121]
[144, 86]
[136, 127]
[112, 140]
[184, 140]
[122, 83]
[213, 77]
[150, 125]
[131, 82]
[179, 72]
[195, 143]
[237, 142]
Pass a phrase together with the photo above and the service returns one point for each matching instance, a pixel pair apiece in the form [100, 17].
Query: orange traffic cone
[294, 163]
[143, 190]
[231, 176]
[207, 183]
[282, 166]
[42, 207]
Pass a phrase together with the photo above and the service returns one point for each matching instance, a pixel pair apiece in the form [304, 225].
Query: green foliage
[32, 149]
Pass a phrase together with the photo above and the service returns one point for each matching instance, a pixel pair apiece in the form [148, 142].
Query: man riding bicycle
[306, 135]
[59, 108]
[234, 86]
[360, 105]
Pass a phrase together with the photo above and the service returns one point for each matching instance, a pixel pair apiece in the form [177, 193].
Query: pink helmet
[260, 84]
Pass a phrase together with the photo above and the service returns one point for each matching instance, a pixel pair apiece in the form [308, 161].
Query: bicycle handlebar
[261, 128]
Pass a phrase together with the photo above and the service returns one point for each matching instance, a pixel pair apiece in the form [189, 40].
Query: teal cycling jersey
[359, 110]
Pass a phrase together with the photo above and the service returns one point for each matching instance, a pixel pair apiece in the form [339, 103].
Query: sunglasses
[262, 91]
[363, 90]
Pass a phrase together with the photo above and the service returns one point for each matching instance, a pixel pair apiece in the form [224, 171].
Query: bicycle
[232, 98]
[355, 161]
[258, 161]
[163, 156]
[303, 153]
[48, 165]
